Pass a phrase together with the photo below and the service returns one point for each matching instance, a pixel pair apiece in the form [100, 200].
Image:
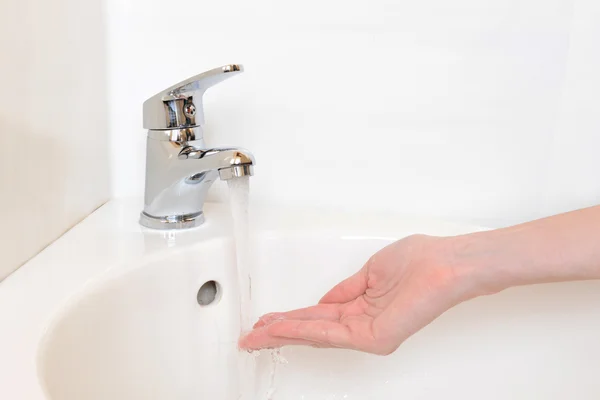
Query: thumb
[348, 289]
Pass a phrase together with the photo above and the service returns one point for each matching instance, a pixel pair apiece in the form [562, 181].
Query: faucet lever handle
[180, 106]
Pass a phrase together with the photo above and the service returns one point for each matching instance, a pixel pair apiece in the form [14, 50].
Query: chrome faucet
[179, 167]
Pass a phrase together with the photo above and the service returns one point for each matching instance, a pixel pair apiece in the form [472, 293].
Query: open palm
[402, 288]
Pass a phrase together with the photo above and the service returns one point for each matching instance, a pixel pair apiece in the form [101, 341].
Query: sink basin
[143, 335]
[111, 311]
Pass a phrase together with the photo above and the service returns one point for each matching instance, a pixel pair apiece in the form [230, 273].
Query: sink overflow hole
[208, 293]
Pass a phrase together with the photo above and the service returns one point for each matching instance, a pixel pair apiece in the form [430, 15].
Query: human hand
[408, 284]
[401, 289]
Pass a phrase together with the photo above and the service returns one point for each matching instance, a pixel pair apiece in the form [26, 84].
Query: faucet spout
[231, 162]
[179, 175]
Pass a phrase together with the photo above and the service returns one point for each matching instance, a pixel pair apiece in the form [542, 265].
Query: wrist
[554, 249]
[484, 262]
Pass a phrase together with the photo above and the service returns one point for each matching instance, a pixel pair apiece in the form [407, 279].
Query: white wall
[574, 173]
[474, 110]
[53, 131]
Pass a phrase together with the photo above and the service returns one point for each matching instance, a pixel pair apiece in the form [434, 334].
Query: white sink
[143, 335]
[110, 311]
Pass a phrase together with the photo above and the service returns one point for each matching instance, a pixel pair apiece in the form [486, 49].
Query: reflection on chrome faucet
[179, 167]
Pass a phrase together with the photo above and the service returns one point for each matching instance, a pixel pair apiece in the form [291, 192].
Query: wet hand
[401, 289]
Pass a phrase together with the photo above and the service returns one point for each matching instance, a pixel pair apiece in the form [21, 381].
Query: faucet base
[172, 222]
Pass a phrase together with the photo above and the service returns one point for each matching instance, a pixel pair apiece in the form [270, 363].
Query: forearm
[565, 247]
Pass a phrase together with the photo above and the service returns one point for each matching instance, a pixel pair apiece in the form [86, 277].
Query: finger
[348, 289]
[329, 312]
[328, 333]
[267, 319]
[261, 339]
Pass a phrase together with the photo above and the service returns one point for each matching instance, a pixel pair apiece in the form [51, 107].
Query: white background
[483, 111]
[475, 110]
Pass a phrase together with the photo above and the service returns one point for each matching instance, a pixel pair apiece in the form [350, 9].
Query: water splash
[276, 359]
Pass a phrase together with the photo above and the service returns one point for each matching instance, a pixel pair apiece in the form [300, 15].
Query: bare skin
[409, 283]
